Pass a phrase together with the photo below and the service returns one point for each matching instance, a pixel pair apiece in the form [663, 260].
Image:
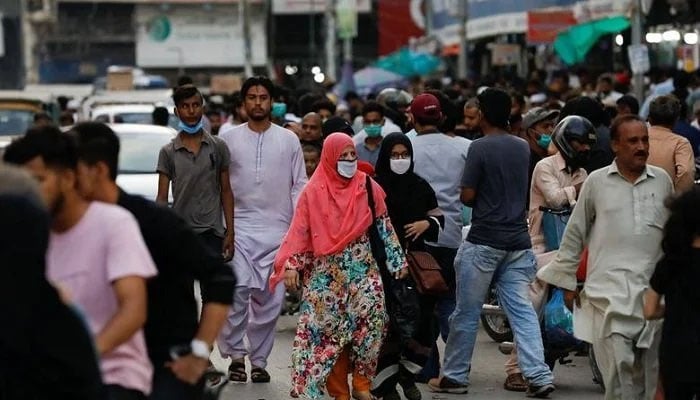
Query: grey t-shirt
[196, 181]
[440, 160]
[497, 169]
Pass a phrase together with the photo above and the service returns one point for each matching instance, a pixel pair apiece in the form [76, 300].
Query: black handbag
[400, 295]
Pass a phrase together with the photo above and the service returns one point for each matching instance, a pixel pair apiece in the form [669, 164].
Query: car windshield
[15, 122]
[139, 152]
[142, 118]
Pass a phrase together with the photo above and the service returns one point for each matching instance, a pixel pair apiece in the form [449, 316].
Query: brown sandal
[236, 372]
[259, 375]
[515, 383]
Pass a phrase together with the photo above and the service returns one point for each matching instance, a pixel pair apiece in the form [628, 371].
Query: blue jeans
[511, 272]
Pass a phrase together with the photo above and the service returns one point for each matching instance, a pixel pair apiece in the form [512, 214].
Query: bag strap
[370, 197]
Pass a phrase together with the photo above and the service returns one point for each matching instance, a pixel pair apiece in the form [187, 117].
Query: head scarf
[332, 211]
[407, 196]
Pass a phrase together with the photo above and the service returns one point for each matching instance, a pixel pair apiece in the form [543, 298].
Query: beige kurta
[553, 187]
[674, 154]
[622, 224]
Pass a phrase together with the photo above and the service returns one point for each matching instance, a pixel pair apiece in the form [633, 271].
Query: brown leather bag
[426, 273]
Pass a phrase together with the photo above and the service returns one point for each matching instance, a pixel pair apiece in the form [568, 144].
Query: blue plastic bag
[559, 322]
[553, 225]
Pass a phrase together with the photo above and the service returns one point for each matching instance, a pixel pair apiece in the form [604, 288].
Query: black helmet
[576, 128]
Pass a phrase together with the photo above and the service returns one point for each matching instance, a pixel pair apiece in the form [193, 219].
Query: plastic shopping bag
[553, 224]
[559, 322]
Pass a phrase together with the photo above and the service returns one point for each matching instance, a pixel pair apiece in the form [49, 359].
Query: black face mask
[581, 159]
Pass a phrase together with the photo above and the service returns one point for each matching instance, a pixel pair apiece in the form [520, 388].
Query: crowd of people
[334, 199]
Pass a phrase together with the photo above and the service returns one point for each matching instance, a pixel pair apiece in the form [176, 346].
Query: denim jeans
[511, 272]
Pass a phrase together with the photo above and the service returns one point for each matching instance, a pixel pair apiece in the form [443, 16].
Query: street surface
[573, 381]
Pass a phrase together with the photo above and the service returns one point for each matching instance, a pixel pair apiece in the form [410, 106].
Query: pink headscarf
[332, 211]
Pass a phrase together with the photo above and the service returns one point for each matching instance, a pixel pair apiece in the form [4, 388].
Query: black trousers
[166, 386]
[116, 392]
[681, 390]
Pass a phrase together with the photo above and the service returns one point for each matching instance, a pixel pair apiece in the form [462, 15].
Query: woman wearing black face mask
[676, 280]
[413, 210]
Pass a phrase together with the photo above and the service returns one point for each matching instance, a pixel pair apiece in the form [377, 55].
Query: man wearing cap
[440, 160]
[538, 124]
[497, 251]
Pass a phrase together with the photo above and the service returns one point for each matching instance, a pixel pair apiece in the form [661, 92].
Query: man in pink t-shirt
[97, 258]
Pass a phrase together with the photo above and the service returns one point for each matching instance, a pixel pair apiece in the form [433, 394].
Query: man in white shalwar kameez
[620, 216]
[267, 175]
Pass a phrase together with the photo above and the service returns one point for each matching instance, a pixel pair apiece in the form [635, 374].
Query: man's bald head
[311, 127]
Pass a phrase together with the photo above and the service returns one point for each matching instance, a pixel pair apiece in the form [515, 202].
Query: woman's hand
[291, 279]
[401, 274]
[414, 230]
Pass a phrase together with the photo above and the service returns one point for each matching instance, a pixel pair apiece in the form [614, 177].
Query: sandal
[236, 372]
[259, 375]
[515, 383]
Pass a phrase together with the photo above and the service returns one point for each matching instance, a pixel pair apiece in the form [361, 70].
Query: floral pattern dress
[342, 304]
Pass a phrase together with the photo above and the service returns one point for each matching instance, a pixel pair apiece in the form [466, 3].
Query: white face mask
[347, 169]
[400, 166]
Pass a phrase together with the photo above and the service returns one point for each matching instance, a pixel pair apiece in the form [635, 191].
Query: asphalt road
[573, 381]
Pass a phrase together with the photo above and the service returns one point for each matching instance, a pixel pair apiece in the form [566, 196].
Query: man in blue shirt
[498, 249]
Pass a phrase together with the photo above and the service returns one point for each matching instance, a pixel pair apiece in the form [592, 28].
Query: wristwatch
[200, 348]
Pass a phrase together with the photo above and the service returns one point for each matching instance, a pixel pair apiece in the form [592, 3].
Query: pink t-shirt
[104, 246]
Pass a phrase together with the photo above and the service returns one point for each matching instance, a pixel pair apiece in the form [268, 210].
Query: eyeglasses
[400, 156]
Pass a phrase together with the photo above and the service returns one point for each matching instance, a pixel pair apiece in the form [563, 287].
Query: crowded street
[349, 199]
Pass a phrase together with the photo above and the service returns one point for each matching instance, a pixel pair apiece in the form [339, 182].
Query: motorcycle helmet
[395, 99]
[576, 128]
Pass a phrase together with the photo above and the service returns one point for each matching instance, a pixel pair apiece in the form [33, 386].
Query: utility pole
[463, 49]
[637, 24]
[428, 17]
[330, 40]
[244, 15]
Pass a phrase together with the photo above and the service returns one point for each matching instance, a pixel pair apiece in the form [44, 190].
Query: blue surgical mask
[346, 168]
[373, 131]
[190, 129]
[544, 141]
[279, 110]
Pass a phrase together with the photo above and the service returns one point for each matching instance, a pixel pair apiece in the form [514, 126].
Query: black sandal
[236, 372]
[259, 375]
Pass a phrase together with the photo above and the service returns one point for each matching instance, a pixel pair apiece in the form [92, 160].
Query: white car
[129, 114]
[138, 157]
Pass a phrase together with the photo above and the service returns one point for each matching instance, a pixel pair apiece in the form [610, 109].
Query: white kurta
[622, 224]
[267, 176]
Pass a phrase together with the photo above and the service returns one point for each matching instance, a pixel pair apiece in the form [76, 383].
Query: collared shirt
[440, 160]
[622, 224]
[364, 153]
[268, 174]
[181, 257]
[552, 187]
[196, 181]
[674, 154]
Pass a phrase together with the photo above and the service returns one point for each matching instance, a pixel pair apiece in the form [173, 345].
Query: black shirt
[181, 257]
[680, 342]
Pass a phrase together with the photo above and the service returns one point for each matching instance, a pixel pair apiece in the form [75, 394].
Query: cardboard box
[120, 79]
[225, 83]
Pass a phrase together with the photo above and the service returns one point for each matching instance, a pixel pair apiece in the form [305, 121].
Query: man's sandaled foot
[259, 375]
[515, 383]
[236, 372]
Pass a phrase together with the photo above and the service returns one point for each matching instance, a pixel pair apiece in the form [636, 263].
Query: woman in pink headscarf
[327, 250]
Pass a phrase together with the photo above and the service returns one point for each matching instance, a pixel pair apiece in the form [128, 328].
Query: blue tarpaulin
[408, 63]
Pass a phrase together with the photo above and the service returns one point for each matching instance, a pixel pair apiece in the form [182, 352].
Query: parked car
[138, 157]
[17, 110]
[129, 114]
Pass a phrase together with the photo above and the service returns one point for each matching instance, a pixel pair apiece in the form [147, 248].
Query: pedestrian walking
[97, 258]
[414, 213]
[497, 251]
[327, 251]
[196, 163]
[268, 171]
[180, 255]
[619, 215]
[33, 367]
[675, 281]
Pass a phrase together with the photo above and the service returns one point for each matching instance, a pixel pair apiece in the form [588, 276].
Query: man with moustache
[620, 216]
[268, 171]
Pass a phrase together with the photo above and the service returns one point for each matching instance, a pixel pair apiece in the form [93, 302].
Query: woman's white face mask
[347, 169]
[400, 166]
